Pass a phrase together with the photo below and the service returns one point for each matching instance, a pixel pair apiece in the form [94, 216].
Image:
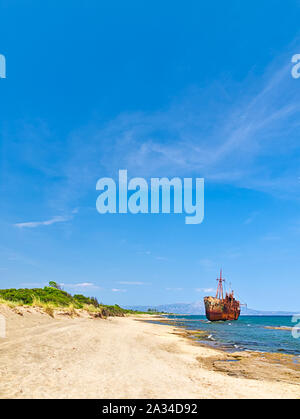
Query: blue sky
[201, 89]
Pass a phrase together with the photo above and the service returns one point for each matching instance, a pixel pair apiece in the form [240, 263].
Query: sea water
[248, 333]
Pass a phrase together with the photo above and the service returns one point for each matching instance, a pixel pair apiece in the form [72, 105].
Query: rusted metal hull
[215, 316]
[221, 310]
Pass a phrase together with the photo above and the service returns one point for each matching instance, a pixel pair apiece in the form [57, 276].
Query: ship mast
[220, 287]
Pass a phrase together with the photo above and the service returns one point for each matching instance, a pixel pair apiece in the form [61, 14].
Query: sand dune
[62, 357]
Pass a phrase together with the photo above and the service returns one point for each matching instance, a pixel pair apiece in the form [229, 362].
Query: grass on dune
[53, 298]
[11, 304]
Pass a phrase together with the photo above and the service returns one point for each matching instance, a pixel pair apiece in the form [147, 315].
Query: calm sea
[247, 333]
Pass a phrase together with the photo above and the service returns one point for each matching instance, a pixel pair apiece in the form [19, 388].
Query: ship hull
[221, 310]
[215, 316]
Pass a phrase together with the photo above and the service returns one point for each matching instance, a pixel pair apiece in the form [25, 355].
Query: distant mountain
[179, 308]
[197, 308]
[250, 312]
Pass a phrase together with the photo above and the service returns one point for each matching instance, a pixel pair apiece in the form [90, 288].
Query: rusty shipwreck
[220, 308]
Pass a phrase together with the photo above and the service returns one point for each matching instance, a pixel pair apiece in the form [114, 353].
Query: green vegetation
[53, 297]
[54, 285]
[45, 295]
[155, 311]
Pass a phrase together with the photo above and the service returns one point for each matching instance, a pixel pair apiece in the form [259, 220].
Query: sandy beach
[127, 357]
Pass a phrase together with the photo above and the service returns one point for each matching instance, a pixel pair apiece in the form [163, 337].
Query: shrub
[53, 297]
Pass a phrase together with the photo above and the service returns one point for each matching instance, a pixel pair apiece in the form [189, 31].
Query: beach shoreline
[129, 357]
[244, 335]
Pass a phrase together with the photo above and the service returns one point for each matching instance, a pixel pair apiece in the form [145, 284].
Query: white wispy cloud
[207, 264]
[118, 290]
[245, 135]
[131, 283]
[80, 285]
[34, 224]
[85, 284]
[205, 290]
[147, 252]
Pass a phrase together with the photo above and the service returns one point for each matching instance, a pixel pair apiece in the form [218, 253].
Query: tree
[54, 285]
